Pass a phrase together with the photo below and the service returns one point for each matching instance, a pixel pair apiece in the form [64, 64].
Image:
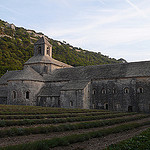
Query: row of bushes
[75, 138]
[139, 142]
[4, 123]
[22, 108]
[8, 117]
[65, 127]
[41, 110]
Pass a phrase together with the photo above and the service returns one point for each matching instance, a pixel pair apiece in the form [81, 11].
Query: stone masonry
[47, 82]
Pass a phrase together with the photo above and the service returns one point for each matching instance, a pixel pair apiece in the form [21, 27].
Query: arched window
[27, 95]
[94, 92]
[14, 95]
[39, 50]
[126, 90]
[140, 90]
[71, 103]
[48, 51]
[103, 91]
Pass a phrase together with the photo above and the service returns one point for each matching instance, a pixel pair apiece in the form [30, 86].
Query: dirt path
[101, 143]
[31, 138]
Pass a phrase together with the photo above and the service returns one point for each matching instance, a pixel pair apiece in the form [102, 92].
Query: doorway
[130, 109]
[106, 106]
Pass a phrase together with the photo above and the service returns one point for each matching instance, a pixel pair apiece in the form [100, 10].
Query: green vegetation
[74, 138]
[26, 121]
[16, 47]
[59, 128]
[140, 142]
[4, 123]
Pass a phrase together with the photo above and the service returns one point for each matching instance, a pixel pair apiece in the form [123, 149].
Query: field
[44, 128]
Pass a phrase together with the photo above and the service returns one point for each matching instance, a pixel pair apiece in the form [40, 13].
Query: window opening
[94, 92]
[140, 90]
[14, 94]
[103, 91]
[27, 95]
[39, 50]
[126, 90]
[48, 51]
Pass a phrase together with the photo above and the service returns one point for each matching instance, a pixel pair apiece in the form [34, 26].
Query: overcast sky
[117, 28]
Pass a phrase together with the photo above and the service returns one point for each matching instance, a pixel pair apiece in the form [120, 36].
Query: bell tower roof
[43, 54]
[42, 40]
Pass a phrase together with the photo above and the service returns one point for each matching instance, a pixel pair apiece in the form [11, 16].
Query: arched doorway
[106, 106]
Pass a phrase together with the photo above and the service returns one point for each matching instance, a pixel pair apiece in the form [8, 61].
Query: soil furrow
[30, 138]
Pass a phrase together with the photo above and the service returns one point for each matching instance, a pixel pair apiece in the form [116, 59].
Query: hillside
[17, 43]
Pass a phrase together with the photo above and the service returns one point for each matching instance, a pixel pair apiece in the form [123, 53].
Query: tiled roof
[8, 75]
[27, 74]
[135, 69]
[43, 40]
[45, 59]
[75, 85]
[50, 90]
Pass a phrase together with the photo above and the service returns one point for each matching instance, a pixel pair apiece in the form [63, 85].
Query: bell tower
[42, 61]
[43, 47]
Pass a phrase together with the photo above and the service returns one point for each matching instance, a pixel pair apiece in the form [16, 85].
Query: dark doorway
[106, 106]
[130, 109]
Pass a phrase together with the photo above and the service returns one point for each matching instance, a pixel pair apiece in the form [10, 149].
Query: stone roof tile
[75, 85]
[50, 90]
[8, 75]
[27, 74]
[45, 59]
[43, 40]
[134, 69]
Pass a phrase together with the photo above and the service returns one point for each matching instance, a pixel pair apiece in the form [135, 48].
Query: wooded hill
[17, 45]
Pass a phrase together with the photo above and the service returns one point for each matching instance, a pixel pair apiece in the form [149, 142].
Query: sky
[116, 28]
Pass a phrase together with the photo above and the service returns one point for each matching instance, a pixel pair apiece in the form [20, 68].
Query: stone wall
[128, 94]
[41, 68]
[17, 92]
[86, 96]
[53, 67]
[48, 101]
[71, 99]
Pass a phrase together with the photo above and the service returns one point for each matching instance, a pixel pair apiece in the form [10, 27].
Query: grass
[139, 142]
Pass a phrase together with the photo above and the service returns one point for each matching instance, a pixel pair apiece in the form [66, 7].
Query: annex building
[45, 81]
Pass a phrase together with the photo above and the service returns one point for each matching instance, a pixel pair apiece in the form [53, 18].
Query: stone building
[45, 81]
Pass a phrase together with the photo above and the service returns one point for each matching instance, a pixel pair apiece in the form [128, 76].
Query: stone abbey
[45, 81]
